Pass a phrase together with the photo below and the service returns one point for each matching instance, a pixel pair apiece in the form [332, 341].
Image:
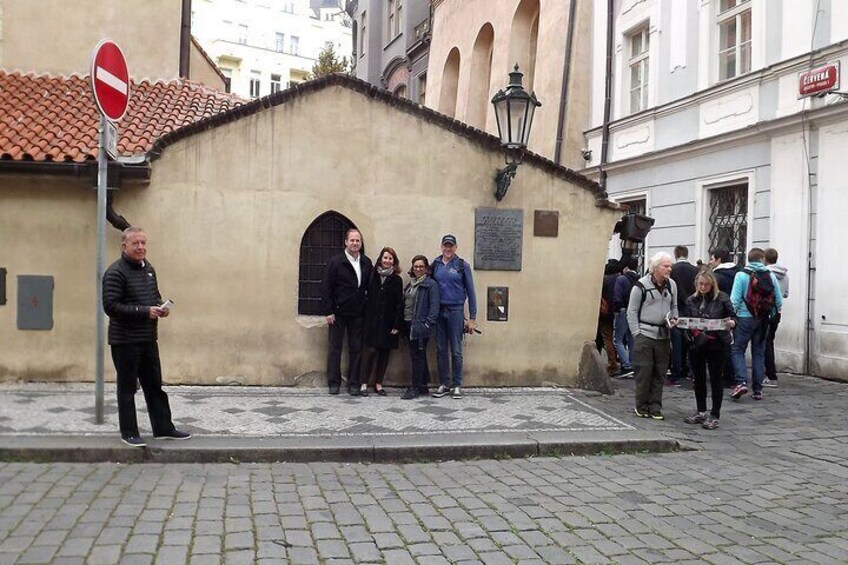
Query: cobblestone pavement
[769, 486]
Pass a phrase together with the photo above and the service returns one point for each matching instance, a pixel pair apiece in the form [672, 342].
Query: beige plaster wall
[48, 227]
[456, 23]
[58, 36]
[202, 70]
[225, 212]
[227, 209]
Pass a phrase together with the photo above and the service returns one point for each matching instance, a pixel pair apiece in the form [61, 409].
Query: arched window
[481, 74]
[450, 82]
[522, 43]
[323, 239]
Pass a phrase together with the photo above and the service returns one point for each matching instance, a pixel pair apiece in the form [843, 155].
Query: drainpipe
[566, 73]
[118, 222]
[605, 133]
[185, 39]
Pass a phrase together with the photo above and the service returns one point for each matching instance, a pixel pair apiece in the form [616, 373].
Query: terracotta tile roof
[50, 118]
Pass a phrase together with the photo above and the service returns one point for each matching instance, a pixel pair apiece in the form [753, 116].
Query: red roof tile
[48, 118]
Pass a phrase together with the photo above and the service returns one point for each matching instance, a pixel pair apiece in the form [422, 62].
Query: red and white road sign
[110, 80]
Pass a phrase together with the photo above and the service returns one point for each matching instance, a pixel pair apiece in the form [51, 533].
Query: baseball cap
[449, 239]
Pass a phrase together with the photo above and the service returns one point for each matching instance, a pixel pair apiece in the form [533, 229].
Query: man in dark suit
[343, 298]
[683, 273]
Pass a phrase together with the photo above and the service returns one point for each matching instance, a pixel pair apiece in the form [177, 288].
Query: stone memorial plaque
[498, 239]
[545, 223]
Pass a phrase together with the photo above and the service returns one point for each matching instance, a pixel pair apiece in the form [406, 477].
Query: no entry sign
[110, 80]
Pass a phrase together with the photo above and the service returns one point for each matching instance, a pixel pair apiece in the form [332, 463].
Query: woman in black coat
[709, 348]
[383, 320]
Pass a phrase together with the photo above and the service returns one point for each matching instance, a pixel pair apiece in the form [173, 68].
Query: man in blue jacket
[455, 286]
[752, 324]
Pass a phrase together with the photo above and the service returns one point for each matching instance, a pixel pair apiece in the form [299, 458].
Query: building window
[400, 91]
[242, 34]
[728, 220]
[734, 38]
[276, 83]
[294, 44]
[255, 84]
[279, 42]
[394, 10]
[288, 7]
[422, 88]
[228, 79]
[323, 239]
[362, 28]
[639, 62]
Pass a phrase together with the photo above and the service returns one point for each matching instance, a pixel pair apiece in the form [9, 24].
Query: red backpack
[760, 295]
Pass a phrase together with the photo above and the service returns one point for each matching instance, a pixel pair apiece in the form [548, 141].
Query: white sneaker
[441, 391]
[770, 383]
[457, 393]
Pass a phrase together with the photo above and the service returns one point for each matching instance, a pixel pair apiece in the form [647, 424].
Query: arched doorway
[323, 239]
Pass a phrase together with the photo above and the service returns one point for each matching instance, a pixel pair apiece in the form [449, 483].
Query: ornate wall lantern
[514, 109]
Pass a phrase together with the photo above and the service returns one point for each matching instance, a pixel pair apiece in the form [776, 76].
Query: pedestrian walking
[456, 286]
[343, 292]
[134, 305]
[708, 348]
[383, 320]
[651, 312]
[683, 274]
[780, 272]
[420, 314]
[756, 298]
[606, 314]
[622, 337]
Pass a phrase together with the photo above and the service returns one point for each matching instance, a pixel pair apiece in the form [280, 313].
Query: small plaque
[498, 239]
[498, 304]
[546, 223]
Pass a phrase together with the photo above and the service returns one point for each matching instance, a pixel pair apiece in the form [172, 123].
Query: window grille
[323, 239]
[729, 220]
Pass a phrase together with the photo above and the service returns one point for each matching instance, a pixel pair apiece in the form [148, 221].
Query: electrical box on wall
[497, 309]
[35, 302]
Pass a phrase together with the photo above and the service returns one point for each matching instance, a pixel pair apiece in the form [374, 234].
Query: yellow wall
[226, 210]
[456, 24]
[58, 36]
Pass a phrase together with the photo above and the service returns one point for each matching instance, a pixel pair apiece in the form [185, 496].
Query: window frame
[642, 61]
[394, 19]
[734, 16]
[255, 81]
[363, 27]
[279, 42]
[703, 204]
[276, 85]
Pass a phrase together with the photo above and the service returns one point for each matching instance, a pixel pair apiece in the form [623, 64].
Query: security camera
[587, 154]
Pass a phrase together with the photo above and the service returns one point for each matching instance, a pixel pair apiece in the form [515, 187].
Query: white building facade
[263, 46]
[707, 133]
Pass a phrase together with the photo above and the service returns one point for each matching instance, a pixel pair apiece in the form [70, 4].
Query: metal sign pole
[99, 318]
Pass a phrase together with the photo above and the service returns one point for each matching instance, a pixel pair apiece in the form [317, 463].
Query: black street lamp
[514, 109]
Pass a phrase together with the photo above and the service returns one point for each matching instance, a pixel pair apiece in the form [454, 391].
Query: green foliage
[328, 62]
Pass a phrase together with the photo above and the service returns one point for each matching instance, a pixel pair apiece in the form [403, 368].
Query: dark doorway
[323, 239]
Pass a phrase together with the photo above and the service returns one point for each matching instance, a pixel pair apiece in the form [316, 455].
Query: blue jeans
[622, 339]
[679, 355]
[449, 331]
[749, 330]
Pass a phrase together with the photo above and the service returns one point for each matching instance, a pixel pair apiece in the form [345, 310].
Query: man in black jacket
[343, 298]
[683, 273]
[132, 301]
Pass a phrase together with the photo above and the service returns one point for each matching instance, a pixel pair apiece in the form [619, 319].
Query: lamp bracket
[503, 179]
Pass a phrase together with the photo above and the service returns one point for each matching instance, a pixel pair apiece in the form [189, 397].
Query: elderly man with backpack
[756, 298]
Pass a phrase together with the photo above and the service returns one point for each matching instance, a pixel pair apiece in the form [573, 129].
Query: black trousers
[375, 361]
[771, 369]
[352, 325]
[139, 363]
[712, 356]
[420, 366]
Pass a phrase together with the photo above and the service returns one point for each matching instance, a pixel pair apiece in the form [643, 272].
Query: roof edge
[346, 81]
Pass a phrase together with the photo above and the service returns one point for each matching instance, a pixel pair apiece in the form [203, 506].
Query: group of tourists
[371, 304]
[698, 319]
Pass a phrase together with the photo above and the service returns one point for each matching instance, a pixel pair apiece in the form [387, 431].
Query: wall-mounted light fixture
[514, 109]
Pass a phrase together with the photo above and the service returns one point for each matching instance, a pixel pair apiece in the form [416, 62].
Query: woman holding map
[710, 308]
